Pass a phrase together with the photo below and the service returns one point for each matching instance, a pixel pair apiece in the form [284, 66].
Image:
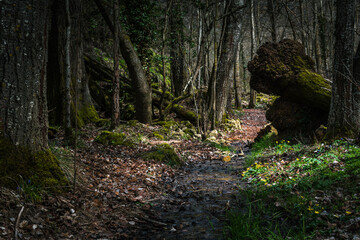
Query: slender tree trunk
[237, 83]
[271, 13]
[164, 86]
[231, 39]
[356, 91]
[177, 50]
[68, 131]
[316, 43]
[252, 101]
[142, 90]
[115, 115]
[23, 55]
[342, 120]
[56, 68]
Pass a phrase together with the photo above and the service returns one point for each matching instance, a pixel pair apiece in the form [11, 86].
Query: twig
[17, 223]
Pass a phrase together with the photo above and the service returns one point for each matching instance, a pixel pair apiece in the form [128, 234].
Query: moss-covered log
[180, 110]
[284, 69]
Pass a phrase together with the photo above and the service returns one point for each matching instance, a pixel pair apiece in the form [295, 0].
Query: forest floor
[121, 195]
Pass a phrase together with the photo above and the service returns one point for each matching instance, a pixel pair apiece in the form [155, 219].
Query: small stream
[196, 206]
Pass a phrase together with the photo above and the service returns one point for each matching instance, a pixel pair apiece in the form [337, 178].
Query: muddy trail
[200, 196]
[121, 195]
[205, 189]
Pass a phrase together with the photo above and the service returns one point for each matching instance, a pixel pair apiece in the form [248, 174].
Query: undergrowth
[299, 192]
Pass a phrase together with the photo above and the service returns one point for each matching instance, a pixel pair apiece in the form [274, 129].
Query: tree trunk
[115, 114]
[177, 50]
[252, 101]
[56, 69]
[24, 33]
[356, 91]
[143, 103]
[68, 131]
[227, 56]
[316, 43]
[342, 120]
[237, 83]
[271, 13]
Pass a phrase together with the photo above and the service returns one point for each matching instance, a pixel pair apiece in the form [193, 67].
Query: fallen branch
[17, 223]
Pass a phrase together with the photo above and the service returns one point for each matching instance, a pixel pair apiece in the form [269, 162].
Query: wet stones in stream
[196, 206]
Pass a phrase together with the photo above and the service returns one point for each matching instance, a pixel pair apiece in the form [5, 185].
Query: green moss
[164, 153]
[158, 136]
[87, 114]
[113, 138]
[190, 131]
[168, 124]
[316, 85]
[18, 164]
[128, 112]
[187, 124]
[133, 123]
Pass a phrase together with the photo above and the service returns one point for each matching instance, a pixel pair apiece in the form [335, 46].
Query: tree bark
[177, 50]
[115, 115]
[252, 101]
[24, 37]
[143, 104]
[341, 121]
[237, 83]
[271, 13]
[227, 56]
[56, 68]
[67, 71]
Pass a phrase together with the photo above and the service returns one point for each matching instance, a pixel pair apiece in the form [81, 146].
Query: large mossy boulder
[285, 70]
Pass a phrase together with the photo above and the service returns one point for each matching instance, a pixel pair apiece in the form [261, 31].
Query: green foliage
[259, 148]
[141, 25]
[30, 191]
[258, 221]
[158, 136]
[164, 153]
[114, 138]
[310, 186]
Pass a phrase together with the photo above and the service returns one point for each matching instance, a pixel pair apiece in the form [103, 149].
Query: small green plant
[30, 191]
[257, 222]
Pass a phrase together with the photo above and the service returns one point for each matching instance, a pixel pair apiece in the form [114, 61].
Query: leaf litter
[122, 196]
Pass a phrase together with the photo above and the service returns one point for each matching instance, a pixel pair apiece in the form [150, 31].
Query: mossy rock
[114, 139]
[18, 164]
[168, 125]
[187, 124]
[164, 153]
[158, 135]
[285, 70]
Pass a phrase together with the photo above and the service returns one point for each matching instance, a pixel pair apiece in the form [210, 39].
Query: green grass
[309, 187]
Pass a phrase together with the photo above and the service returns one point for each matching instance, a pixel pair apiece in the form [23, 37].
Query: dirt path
[195, 208]
[122, 196]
